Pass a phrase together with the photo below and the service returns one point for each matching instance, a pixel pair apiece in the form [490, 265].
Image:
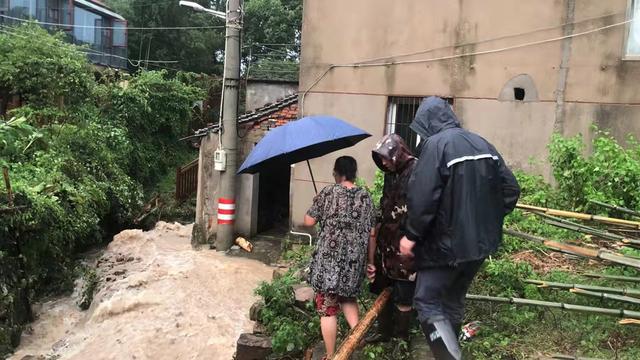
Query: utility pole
[229, 132]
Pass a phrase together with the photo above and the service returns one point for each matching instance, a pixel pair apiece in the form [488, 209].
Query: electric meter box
[220, 160]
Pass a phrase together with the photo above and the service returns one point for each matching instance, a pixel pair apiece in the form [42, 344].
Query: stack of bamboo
[618, 232]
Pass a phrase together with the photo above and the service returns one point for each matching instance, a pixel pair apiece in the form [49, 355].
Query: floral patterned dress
[346, 217]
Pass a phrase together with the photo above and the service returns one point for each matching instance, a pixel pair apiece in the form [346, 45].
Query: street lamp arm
[197, 7]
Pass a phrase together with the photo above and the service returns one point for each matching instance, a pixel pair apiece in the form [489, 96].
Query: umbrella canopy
[301, 140]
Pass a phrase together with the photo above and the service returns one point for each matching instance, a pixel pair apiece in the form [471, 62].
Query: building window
[23, 8]
[85, 32]
[633, 36]
[400, 114]
[119, 33]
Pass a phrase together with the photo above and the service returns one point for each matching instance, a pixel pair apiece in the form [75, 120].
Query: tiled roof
[259, 114]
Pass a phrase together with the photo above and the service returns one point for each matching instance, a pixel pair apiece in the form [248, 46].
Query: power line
[420, 52]
[456, 56]
[116, 27]
[135, 63]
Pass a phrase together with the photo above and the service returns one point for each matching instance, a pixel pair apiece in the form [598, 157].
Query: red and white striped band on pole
[226, 211]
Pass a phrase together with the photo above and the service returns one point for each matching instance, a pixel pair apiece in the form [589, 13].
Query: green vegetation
[610, 173]
[271, 34]
[81, 154]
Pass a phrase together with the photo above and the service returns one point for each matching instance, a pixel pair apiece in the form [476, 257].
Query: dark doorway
[273, 199]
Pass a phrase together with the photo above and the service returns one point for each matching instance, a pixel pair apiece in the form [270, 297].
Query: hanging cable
[456, 56]
[114, 27]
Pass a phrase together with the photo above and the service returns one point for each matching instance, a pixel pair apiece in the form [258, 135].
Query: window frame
[391, 121]
[627, 31]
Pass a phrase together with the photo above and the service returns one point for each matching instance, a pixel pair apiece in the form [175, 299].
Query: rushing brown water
[158, 299]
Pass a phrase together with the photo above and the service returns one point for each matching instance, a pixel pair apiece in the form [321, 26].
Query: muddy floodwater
[158, 299]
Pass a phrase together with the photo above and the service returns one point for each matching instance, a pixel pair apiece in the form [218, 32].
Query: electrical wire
[455, 56]
[115, 27]
[553, 27]
[135, 63]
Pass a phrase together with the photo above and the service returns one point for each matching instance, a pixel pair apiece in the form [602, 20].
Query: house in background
[265, 91]
[263, 200]
[87, 22]
[515, 72]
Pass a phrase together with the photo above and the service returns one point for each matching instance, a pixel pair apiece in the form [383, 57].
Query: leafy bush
[293, 330]
[155, 111]
[78, 153]
[610, 173]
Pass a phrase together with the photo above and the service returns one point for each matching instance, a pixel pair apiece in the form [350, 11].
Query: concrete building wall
[578, 80]
[262, 92]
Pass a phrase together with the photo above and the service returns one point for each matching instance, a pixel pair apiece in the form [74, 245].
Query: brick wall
[253, 132]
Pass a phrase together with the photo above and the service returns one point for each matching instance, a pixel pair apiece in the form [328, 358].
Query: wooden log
[244, 244]
[356, 335]
[580, 216]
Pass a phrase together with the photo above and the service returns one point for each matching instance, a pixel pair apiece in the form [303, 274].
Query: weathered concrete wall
[260, 93]
[596, 86]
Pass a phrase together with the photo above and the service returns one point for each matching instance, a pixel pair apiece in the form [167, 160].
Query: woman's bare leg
[329, 327]
[350, 310]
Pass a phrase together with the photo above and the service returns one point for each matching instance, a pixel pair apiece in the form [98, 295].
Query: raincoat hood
[433, 116]
[395, 150]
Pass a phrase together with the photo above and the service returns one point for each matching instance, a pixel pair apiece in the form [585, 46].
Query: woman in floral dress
[346, 216]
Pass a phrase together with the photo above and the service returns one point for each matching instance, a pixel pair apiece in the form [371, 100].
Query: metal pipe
[303, 234]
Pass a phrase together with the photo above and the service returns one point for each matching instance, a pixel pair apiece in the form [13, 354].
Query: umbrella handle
[313, 180]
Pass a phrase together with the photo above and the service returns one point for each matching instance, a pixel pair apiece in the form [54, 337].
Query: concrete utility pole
[229, 131]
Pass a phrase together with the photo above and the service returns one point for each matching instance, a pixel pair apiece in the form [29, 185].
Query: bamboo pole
[629, 322]
[570, 357]
[551, 284]
[603, 235]
[580, 216]
[570, 307]
[578, 250]
[569, 225]
[354, 338]
[613, 277]
[616, 208]
[605, 296]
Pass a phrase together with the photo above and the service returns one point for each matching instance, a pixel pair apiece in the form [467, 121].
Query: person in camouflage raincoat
[387, 267]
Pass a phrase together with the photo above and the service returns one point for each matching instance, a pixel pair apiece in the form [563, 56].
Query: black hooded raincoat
[459, 193]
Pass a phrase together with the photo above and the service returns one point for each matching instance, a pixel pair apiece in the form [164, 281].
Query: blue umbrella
[300, 140]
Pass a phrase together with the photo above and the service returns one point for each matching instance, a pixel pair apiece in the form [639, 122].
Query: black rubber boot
[403, 321]
[441, 340]
[385, 326]
[457, 329]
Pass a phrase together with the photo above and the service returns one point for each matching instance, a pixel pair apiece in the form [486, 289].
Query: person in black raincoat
[387, 267]
[459, 194]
